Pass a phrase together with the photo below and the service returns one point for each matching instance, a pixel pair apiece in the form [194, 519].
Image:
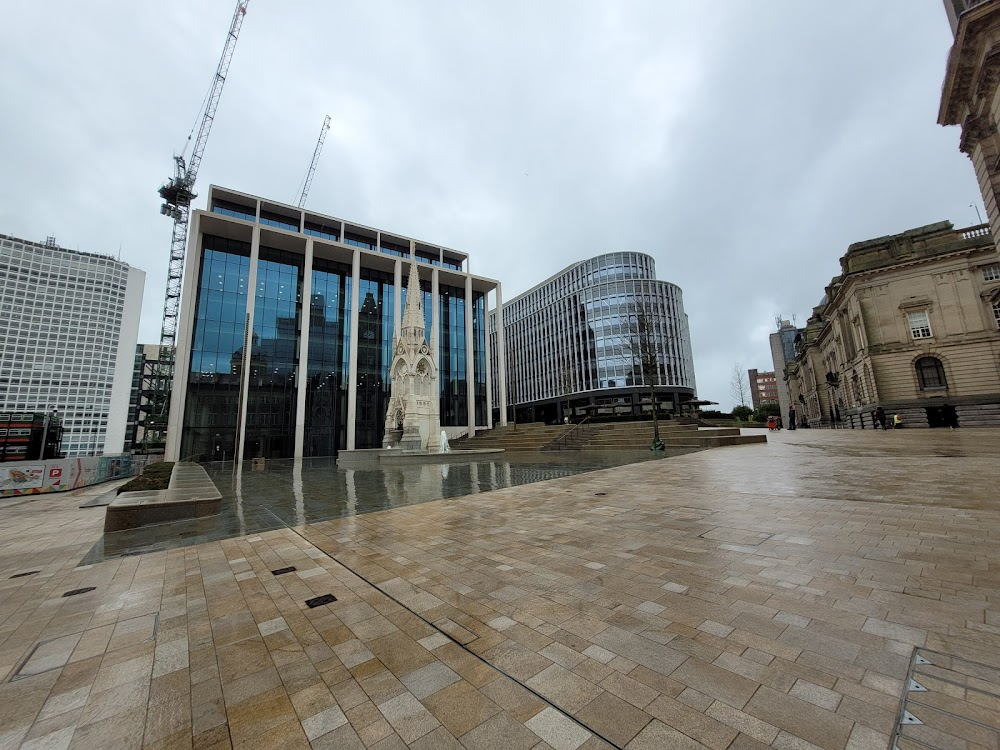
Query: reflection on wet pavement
[293, 493]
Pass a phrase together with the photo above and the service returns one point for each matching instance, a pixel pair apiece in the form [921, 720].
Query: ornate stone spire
[413, 315]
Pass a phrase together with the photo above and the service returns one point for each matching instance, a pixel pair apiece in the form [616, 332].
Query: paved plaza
[783, 595]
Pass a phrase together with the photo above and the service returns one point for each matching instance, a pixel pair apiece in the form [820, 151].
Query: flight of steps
[606, 436]
[532, 436]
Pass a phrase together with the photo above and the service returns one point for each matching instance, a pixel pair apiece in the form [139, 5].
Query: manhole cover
[948, 702]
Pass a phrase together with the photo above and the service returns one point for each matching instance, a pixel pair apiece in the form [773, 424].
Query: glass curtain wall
[375, 330]
[329, 353]
[479, 337]
[211, 411]
[274, 356]
[453, 372]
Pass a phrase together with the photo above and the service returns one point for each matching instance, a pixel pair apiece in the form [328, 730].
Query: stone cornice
[969, 73]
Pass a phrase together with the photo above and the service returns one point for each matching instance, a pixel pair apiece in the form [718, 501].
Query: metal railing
[561, 443]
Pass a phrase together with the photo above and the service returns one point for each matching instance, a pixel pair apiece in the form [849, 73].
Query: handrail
[554, 445]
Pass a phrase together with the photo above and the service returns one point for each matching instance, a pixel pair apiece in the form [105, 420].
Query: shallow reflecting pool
[289, 493]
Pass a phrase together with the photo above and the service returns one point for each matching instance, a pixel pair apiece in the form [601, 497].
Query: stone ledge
[190, 494]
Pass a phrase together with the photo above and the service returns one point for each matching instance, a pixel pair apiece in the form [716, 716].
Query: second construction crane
[177, 195]
[307, 183]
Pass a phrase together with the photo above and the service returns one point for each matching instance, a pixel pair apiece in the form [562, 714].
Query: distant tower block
[413, 420]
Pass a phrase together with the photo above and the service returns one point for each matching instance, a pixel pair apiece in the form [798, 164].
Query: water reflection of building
[574, 340]
[261, 373]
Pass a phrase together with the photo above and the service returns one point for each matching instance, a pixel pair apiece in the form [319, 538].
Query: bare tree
[739, 387]
[641, 343]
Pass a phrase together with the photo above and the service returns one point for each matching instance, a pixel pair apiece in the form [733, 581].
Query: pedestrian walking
[791, 417]
[880, 416]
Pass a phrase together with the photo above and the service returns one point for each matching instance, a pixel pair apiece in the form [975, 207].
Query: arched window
[930, 373]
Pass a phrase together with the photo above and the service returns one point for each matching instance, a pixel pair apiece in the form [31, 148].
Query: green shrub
[154, 477]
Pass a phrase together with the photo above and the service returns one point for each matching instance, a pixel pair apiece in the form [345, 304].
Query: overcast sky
[742, 144]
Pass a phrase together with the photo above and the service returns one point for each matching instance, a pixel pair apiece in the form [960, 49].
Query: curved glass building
[574, 344]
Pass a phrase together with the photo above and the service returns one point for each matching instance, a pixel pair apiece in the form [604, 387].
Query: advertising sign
[22, 477]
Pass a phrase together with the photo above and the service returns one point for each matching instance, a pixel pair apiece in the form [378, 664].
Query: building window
[920, 324]
[996, 313]
[930, 373]
[991, 272]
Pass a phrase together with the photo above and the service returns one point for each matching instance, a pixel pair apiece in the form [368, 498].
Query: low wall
[61, 474]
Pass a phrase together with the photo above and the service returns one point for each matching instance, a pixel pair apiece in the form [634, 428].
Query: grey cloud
[743, 145]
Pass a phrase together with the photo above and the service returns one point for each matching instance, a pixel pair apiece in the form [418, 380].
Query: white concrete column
[488, 354]
[182, 341]
[352, 378]
[435, 321]
[303, 374]
[502, 358]
[247, 347]
[297, 492]
[470, 359]
[397, 313]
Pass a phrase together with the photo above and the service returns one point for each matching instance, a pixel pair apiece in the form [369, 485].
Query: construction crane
[177, 195]
[307, 183]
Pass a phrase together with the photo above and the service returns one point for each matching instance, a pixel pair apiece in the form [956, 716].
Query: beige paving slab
[729, 599]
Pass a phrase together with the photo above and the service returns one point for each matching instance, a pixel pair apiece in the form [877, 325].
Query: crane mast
[315, 160]
[177, 195]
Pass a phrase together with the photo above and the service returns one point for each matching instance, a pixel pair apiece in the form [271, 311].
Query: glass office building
[286, 332]
[68, 327]
[574, 343]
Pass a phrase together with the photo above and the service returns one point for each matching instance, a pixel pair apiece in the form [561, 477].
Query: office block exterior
[912, 324]
[68, 327]
[782, 344]
[763, 388]
[572, 342]
[286, 332]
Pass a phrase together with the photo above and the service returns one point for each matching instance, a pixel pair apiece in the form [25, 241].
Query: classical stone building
[911, 324]
[970, 95]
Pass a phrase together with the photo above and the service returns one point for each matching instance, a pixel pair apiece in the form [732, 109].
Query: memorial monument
[413, 418]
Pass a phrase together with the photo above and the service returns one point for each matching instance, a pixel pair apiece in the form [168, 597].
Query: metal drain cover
[319, 601]
[84, 590]
[948, 702]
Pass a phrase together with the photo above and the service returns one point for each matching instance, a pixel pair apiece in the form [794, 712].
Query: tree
[762, 412]
[739, 388]
[643, 346]
[742, 412]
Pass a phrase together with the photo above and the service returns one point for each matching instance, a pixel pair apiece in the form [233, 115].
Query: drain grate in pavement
[22, 575]
[319, 601]
[282, 571]
[949, 702]
[74, 592]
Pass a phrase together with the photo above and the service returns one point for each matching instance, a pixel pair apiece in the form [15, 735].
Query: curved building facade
[572, 343]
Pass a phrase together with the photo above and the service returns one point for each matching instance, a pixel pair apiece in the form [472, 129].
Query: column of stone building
[470, 359]
[352, 379]
[303, 375]
[501, 358]
[241, 430]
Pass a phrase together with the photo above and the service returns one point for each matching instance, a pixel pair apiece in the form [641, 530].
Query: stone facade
[970, 95]
[911, 325]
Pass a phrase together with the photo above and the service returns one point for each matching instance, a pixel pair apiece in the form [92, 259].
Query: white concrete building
[68, 328]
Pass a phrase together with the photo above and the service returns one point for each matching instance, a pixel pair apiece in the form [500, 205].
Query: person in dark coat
[880, 416]
[791, 417]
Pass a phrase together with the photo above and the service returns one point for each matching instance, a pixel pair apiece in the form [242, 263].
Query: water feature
[293, 493]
